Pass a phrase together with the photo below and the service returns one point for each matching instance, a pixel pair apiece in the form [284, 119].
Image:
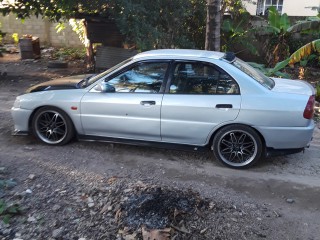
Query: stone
[31, 176]
[29, 191]
[290, 200]
[90, 204]
[56, 208]
[32, 219]
[57, 233]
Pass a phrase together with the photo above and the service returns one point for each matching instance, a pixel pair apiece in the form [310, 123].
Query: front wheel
[52, 126]
[237, 146]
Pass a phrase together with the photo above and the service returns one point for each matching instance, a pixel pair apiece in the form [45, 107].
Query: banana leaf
[305, 51]
[302, 26]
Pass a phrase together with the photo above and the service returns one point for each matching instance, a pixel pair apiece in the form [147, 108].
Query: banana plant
[304, 52]
[281, 29]
[271, 71]
[236, 32]
[311, 24]
[299, 55]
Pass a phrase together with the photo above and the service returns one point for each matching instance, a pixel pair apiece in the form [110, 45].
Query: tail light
[309, 109]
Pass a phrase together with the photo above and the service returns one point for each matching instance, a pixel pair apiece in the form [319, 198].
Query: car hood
[292, 86]
[71, 82]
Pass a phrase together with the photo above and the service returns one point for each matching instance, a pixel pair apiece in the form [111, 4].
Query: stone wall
[41, 28]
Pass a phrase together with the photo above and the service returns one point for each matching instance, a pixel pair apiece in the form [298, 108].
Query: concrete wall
[290, 7]
[41, 28]
[300, 7]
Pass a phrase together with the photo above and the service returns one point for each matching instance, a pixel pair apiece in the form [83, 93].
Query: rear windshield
[254, 73]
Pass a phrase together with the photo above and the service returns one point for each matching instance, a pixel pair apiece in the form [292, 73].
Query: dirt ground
[87, 190]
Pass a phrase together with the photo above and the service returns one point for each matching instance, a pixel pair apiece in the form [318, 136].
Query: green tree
[162, 24]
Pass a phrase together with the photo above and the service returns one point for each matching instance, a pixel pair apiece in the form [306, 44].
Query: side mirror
[104, 87]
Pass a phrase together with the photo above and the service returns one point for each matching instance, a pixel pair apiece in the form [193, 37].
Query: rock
[18, 235]
[203, 230]
[56, 208]
[29, 191]
[127, 190]
[290, 200]
[31, 176]
[32, 219]
[90, 204]
[233, 219]
[57, 233]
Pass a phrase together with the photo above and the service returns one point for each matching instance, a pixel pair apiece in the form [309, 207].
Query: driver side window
[145, 77]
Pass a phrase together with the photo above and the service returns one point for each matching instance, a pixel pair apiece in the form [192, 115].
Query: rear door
[199, 97]
[132, 111]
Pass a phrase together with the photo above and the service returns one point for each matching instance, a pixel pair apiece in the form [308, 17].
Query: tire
[237, 146]
[57, 64]
[52, 126]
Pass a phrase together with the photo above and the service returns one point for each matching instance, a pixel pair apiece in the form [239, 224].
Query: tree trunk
[89, 50]
[213, 25]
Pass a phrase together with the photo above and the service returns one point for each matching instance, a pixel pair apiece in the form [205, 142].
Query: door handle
[148, 103]
[224, 106]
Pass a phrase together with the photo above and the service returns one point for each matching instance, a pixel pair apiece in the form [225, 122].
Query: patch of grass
[8, 210]
[318, 92]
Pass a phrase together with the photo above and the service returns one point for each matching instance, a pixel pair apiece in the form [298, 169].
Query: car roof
[179, 53]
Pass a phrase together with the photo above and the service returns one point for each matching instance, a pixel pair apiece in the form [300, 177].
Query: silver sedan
[175, 98]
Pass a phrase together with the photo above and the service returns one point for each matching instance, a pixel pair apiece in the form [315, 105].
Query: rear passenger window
[201, 78]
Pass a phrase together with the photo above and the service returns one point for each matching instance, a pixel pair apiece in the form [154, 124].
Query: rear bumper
[21, 120]
[282, 152]
[287, 137]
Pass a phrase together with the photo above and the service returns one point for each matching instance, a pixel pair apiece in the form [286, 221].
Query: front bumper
[21, 120]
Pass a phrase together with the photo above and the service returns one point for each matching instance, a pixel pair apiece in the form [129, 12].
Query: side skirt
[174, 146]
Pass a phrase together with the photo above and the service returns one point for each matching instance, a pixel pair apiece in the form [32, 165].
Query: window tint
[200, 78]
[142, 78]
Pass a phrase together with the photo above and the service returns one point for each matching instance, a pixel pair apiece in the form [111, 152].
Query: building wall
[290, 7]
[41, 28]
[300, 7]
[251, 6]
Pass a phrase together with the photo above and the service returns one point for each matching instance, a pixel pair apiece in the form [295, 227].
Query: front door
[132, 110]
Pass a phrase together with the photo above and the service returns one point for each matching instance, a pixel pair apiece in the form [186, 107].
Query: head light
[17, 103]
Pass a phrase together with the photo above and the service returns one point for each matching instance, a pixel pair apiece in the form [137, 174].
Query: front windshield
[254, 73]
[94, 78]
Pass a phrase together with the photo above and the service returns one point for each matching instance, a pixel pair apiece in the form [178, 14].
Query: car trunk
[293, 86]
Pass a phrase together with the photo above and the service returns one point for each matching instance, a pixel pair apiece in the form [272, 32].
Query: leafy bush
[69, 54]
[318, 92]
[7, 210]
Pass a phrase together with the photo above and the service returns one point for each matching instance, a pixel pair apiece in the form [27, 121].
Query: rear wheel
[237, 146]
[52, 126]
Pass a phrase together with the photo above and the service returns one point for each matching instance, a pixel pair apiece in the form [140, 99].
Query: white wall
[300, 7]
[251, 6]
[41, 28]
[290, 7]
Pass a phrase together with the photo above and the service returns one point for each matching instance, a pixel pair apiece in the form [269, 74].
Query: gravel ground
[90, 190]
